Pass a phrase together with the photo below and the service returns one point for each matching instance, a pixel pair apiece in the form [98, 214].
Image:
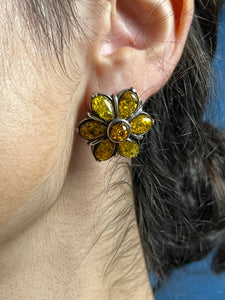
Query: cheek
[37, 120]
[29, 138]
[36, 135]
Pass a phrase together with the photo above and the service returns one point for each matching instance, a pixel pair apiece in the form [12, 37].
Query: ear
[138, 44]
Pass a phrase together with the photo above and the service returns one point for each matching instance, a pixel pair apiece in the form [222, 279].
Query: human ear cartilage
[115, 124]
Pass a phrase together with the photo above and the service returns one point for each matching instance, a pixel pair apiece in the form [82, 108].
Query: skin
[62, 214]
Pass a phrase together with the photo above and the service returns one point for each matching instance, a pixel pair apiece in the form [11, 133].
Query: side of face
[42, 102]
[38, 112]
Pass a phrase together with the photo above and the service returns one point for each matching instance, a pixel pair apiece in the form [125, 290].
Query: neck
[86, 246]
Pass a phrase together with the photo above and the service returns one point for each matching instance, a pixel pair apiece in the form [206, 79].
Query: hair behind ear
[179, 177]
[209, 25]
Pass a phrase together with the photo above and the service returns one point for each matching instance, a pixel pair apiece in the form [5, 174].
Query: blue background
[215, 114]
[195, 281]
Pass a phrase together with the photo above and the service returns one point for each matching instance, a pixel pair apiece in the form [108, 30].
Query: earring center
[119, 131]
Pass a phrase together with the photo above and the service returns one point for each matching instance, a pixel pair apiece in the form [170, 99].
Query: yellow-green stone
[102, 107]
[141, 124]
[104, 150]
[91, 130]
[128, 103]
[119, 132]
[129, 149]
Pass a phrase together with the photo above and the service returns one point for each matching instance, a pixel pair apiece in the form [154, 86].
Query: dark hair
[179, 177]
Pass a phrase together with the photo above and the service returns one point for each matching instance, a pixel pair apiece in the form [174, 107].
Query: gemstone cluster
[116, 124]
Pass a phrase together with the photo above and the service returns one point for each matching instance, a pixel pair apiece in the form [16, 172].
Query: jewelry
[116, 124]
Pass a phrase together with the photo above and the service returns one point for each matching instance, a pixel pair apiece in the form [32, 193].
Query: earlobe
[141, 45]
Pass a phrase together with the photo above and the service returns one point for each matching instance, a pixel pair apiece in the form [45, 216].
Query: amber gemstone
[141, 124]
[119, 132]
[92, 130]
[102, 107]
[127, 104]
[129, 149]
[104, 150]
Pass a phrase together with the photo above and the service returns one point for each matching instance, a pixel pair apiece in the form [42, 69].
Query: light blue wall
[216, 113]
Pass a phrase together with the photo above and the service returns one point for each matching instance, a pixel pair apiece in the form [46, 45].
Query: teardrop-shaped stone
[102, 107]
[104, 150]
[92, 130]
[129, 149]
[141, 124]
[127, 104]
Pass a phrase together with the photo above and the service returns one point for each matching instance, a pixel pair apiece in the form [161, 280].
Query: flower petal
[104, 150]
[92, 130]
[127, 104]
[141, 124]
[129, 148]
[102, 107]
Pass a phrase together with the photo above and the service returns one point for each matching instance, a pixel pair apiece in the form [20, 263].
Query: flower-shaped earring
[116, 124]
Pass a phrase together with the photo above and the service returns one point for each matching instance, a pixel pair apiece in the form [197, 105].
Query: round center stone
[119, 132]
